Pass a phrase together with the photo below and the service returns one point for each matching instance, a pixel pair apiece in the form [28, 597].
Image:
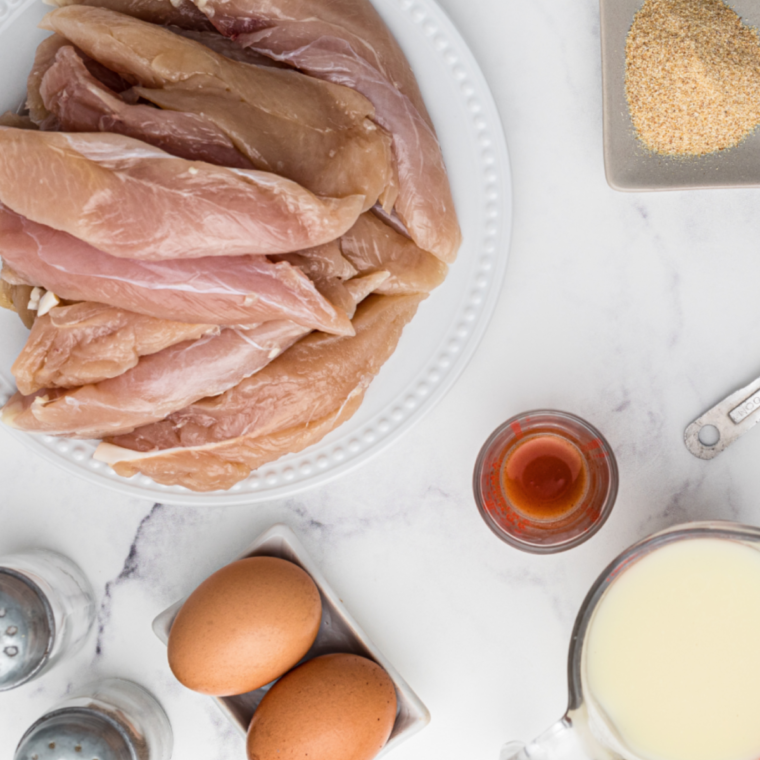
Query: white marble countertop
[636, 312]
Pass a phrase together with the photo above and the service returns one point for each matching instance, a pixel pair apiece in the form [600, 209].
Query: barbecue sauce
[545, 477]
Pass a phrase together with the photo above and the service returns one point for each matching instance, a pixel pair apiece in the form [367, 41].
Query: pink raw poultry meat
[227, 290]
[224, 45]
[346, 42]
[343, 291]
[162, 382]
[11, 119]
[89, 342]
[181, 13]
[368, 249]
[345, 295]
[315, 133]
[310, 380]
[132, 200]
[43, 60]
[82, 104]
[300, 397]
[154, 57]
[158, 385]
[221, 465]
[323, 261]
[371, 245]
[326, 161]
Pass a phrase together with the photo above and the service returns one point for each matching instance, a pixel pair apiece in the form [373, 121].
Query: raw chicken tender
[225, 46]
[325, 161]
[161, 382]
[135, 201]
[81, 103]
[328, 269]
[384, 260]
[346, 42]
[312, 132]
[90, 342]
[323, 261]
[341, 292]
[344, 295]
[10, 119]
[372, 245]
[181, 13]
[220, 466]
[292, 403]
[43, 60]
[158, 385]
[154, 57]
[226, 290]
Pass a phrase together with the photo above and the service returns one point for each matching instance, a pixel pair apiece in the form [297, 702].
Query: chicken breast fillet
[162, 381]
[371, 245]
[346, 42]
[315, 133]
[226, 290]
[135, 201]
[81, 103]
[335, 277]
[220, 466]
[181, 13]
[43, 59]
[309, 390]
[158, 385]
[89, 342]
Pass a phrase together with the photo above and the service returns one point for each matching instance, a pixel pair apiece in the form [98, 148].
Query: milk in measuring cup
[671, 658]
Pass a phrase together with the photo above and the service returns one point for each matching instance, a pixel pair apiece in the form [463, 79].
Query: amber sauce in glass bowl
[545, 481]
[545, 476]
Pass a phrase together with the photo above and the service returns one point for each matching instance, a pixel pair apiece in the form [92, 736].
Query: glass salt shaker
[110, 719]
[46, 612]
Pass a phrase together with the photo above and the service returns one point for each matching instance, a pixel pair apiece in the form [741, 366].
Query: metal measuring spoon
[728, 420]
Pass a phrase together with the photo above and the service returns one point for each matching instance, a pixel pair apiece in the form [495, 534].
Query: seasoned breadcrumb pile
[692, 76]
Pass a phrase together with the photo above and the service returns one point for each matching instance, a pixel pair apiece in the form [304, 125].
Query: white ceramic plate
[338, 632]
[439, 342]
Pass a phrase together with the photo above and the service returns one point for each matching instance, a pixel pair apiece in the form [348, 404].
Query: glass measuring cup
[591, 731]
[46, 612]
[111, 719]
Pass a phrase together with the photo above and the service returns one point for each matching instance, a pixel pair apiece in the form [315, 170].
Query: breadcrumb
[692, 77]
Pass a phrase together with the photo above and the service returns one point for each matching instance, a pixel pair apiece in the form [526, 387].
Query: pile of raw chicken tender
[216, 219]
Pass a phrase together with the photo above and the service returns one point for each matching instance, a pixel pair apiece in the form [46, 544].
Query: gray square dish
[628, 164]
[338, 632]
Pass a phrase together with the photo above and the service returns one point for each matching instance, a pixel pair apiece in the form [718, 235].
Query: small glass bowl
[542, 536]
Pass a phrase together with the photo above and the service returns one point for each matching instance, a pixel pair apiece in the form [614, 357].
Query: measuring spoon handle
[732, 418]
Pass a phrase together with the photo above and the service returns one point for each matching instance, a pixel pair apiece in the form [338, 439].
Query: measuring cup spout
[560, 742]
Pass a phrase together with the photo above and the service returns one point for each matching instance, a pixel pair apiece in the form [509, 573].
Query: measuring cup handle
[560, 742]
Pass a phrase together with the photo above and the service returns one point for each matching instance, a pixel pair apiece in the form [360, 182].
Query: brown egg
[334, 707]
[244, 626]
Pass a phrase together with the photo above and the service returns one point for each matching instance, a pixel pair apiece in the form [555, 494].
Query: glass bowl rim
[607, 505]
